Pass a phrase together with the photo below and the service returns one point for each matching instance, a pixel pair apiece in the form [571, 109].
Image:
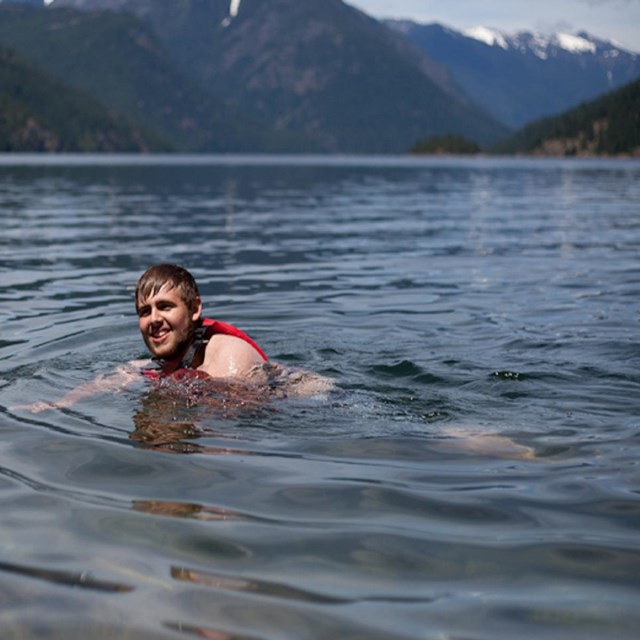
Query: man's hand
[123, 376]
[39, 407]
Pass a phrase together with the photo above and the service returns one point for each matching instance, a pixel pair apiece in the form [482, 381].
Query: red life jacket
[216, 326]
[207, 328]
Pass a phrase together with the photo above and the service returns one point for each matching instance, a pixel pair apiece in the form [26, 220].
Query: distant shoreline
[106, 159]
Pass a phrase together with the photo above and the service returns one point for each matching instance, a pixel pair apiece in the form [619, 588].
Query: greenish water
[474, 475]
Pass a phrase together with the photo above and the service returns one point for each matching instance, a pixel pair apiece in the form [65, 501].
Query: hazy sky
[617, 20]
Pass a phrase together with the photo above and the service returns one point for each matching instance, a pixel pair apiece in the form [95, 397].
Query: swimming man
[170, 319]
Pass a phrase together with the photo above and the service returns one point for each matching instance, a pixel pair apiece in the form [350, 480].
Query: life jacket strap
[200, 339]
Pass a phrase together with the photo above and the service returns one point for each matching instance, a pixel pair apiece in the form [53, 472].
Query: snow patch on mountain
[234, 7]
[575, 44]
[492, 37]
[539, 45]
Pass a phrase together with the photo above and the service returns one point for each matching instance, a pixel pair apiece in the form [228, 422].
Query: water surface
[474, 475]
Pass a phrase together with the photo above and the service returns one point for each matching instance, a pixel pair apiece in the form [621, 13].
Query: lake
[474, 475]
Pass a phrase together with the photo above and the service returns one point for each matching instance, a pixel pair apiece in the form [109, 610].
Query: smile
[160, 336]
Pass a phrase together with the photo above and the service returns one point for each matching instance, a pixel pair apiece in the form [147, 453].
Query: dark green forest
[38, 113]
[609, 125]
[118, 60]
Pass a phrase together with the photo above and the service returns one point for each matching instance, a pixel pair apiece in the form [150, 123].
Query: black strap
[200, 339]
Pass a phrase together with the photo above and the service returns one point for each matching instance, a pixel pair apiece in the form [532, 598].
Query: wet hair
[160, 275]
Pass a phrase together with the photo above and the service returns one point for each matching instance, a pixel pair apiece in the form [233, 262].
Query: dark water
[474, 476]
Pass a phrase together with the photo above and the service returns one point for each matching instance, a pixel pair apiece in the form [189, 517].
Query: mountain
[117, 58]
[39, 113]
[321, 70]
[609, 125]
[526, 76]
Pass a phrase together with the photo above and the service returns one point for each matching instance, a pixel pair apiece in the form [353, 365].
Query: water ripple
[473, 475]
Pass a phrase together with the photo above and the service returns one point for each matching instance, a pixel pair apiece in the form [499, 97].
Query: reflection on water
[171, 412]
[65, 578]
[473, 474]
[185, 510]
[168, 416]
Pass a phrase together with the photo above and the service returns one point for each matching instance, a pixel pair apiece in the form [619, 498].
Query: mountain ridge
[540, 44]
[298, 75]
[118, 60]
[525, 76]
[324, 71]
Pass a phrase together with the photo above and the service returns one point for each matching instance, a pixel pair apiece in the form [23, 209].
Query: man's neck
[188, 357]
[169, 365]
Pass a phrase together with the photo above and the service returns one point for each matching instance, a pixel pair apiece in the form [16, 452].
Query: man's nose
[155, 315]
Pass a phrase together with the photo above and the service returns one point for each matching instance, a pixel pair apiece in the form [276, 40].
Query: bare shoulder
[229, 357]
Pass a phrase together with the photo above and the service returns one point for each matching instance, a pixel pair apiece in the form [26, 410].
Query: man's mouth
[159, 336]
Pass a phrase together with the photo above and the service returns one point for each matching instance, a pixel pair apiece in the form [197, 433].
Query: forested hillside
[609, 125]
[39, 113]
[118, 60]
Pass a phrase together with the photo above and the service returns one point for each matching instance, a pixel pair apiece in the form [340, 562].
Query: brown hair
[160, 275]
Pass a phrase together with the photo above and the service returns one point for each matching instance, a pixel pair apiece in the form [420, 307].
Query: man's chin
[162, 352]
[166, 352]
[167, 356]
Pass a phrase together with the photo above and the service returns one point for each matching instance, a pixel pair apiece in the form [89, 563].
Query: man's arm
[123, 376]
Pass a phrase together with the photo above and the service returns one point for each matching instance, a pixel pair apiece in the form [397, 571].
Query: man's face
[166, 322]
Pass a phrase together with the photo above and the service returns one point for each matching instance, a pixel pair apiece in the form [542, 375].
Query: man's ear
[197, 310]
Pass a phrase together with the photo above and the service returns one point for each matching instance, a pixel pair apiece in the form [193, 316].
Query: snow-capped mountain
[543, 46]
[524, 76]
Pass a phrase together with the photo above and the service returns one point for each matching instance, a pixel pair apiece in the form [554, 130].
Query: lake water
[475, 474]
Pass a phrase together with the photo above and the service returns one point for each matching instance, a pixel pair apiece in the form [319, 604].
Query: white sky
[617, 20]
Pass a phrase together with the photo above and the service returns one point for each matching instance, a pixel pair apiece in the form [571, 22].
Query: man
[170, 320]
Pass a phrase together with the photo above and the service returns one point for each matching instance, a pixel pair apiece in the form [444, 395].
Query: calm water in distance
[474, 475]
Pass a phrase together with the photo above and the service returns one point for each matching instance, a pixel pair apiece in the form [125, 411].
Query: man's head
[168, 306]
[168, 276]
